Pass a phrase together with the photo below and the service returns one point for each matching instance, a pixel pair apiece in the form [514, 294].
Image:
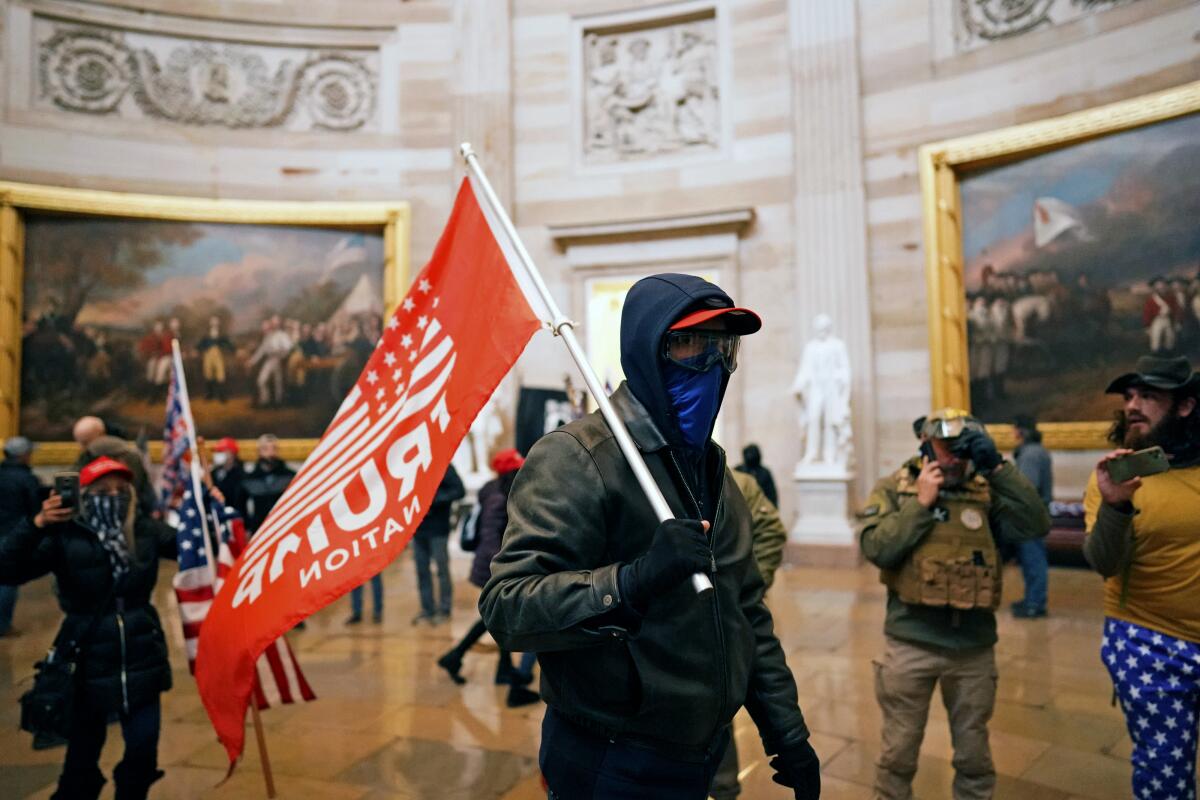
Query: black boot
[134, 783]
[452, 663]
[506, 674]
[79, 785]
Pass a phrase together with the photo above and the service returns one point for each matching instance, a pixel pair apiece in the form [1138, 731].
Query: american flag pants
[1157, 679]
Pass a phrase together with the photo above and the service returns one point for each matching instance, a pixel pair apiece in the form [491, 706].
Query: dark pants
[356, 597]
[81, 778]
[436, 546]
[579, 764]
[8, 602]
[1035, 571]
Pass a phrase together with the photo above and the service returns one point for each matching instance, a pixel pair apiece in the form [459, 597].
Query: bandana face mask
[696, 398]
[105, 512]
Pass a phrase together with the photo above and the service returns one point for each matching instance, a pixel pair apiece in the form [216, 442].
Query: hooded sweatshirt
[651, 307]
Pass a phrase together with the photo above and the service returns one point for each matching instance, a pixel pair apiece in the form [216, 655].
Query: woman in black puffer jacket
[489, 533]
[105, 561]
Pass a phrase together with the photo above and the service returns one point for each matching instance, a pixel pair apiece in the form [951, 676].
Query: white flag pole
[189, 423]
[211, 550]
[565, 328]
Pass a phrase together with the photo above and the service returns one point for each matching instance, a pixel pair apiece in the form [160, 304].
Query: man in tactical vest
[932, 529]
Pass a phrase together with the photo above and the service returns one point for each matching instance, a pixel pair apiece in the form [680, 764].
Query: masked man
[932, 529]
[641, 674]
[1142, 537]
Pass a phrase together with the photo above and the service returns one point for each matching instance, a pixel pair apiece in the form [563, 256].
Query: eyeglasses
[699, 350]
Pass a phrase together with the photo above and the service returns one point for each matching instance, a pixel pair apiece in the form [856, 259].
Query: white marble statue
[822, 387]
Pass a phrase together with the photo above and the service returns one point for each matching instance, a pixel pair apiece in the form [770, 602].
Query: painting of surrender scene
[275, 323]
[1078, 261]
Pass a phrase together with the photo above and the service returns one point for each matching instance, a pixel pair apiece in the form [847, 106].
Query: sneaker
[377, 617]
[452, 663]
[423, 618]
[1028, 612]
[354, 619]
[520, 696]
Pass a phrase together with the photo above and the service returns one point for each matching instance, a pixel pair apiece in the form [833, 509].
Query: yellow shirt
[1164, 581]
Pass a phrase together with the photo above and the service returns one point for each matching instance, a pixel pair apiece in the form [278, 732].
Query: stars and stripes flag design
[174, 475]
[199, 579]
[359, 497]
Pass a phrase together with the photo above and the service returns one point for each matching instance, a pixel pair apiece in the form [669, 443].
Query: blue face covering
[696, 398]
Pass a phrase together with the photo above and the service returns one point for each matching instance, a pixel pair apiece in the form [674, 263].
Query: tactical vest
[956, 565]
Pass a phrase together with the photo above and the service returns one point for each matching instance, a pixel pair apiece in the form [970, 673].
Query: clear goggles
[950, 428]
[700, 350]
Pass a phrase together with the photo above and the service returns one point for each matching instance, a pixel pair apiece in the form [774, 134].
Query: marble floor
[389, 724]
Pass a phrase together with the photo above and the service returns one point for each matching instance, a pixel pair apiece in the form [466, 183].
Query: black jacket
[261, 489]
[437, 521]
[124, 662]
[752, 465]
[20, 493]
[490, 525]
[675, 677]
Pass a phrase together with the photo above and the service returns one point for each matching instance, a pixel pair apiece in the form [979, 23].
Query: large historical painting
[274, 322]
[1057, 253]
[1077, 262]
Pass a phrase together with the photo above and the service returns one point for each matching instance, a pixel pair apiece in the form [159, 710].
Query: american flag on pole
[175, 444]
[199, 579]
[366, 486]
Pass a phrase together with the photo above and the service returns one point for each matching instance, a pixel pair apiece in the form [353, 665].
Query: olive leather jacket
[674, 676]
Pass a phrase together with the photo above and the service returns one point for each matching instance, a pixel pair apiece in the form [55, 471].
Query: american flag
[175, 444]
[199, 578]
[280, 679]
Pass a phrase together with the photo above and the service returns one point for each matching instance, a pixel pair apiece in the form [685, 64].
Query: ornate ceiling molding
[102, 71]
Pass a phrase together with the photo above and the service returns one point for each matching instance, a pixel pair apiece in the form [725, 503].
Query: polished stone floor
[389, 724]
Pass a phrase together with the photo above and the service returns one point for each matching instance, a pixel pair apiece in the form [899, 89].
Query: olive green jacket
[766, 527]
[891, 527]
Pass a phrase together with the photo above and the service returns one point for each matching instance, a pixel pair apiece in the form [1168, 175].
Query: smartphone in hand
[1140, 464]
[66, 485]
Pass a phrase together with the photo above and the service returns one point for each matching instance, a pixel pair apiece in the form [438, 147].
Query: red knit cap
[507, 461]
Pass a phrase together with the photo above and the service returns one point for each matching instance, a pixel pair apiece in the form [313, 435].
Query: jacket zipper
[712, 556]
[124, 678]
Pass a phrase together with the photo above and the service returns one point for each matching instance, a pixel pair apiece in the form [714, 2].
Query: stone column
[829, 230]
[482, 88]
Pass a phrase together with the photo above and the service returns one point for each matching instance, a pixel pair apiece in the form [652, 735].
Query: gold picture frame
[17, 200]
[942, 165]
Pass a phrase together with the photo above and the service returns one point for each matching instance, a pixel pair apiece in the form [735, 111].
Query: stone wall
[917, 88]
[771, 142]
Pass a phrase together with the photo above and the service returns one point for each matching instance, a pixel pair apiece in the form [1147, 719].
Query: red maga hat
[101, 467]
[227, 444]
[741, 321]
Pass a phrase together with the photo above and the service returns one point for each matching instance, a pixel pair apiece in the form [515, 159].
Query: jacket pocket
[606, 681]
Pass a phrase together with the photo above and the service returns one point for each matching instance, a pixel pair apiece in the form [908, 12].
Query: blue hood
[651, 306]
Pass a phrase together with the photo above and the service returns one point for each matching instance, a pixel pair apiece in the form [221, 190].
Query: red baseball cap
[741, 321]
[227, 444]
[101, 467]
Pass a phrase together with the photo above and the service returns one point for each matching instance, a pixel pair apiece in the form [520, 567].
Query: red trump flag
[362, 492]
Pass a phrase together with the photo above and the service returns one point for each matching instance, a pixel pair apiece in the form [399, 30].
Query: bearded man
[1142, 537]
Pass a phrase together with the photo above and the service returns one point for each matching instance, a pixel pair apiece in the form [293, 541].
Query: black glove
[798, 768]
[678, 550]
[979, 447]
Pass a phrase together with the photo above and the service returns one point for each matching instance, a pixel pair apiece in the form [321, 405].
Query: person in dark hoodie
[752, 465]
[641, 674]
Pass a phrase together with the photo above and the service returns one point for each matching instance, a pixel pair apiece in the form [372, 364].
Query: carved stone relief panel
[103, 71]
[650, 88]
[979, 22]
